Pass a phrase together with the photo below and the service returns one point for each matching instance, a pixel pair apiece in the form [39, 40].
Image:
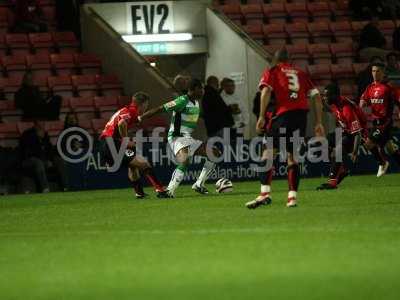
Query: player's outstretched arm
[151, 112]
[319, 128]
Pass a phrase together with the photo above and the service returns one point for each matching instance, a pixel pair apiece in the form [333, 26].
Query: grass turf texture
[342, 244]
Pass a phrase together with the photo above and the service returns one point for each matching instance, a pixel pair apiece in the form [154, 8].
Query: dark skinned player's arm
[123, 129]
[357, 143]
[151, 112]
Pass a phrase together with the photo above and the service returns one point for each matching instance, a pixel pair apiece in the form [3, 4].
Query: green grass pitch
[342, 244]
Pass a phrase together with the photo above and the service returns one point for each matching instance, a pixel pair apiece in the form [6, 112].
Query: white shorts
[179, 143]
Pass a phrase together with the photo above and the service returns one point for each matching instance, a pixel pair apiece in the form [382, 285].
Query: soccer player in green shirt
[185, 114]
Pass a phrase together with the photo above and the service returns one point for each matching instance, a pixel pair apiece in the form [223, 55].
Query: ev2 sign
[150, 17]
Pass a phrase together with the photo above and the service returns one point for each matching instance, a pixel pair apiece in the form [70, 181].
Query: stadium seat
[41, 82]
[109, 85]
[85, 85]
[88, 63]
[359, 67]
[85, 122]
[61, 85]
[275, 34]
[342, 31]
[83, 106]
[340, 10]
[39, 64]
[271, 49]
[63, 63]
[347, 90]
[297, 12]
[124, 100]
[320, 53]
[42, 42]
[54, 128]
[15, 66]
[66, 42]
[106, 114]
[233, 12]
[357, 26]
[154, 122]
[98, 125]
[299, 55]
[18, 43]
[387, 27]
[320, 74]
[255, 31]
[23, 126]
[3, 46]
[49, 14]
[252, 13]
[275, 13]
[320, 32]
[4, 20]
[65, 107]
[103, 104]
[11, 113]
[343, 53]
[297, 32]
[8, 134]
[320, 11]
[255, 1]
[343, 73]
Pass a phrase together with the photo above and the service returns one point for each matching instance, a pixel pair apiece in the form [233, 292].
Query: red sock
[342, 173]
[152, 179]
[293, 177]
[266, 177]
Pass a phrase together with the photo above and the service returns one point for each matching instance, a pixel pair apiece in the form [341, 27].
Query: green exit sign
[151, 48]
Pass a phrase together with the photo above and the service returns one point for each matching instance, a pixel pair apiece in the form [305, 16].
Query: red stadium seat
[41, 82]
[297, 12]
[359, 67]
[275, 13]
[109, 85]
[10, 112]
[99, 124]
[42, 42]
[107, 114]
[85, 85]
[343, 53]
[83, 107]
[255, 31]
[298, 33]
[18, 43]
[63, 63]
[11, 86]
[109, 103]
[253, 13]
[275, 34]
[271, 49]
[61, 85]
[124, 100]
[340, 10]
[15, 66]
[343, 73]
[342, 31]
[4, 20]
[8, 134]
[387, 27]
[357, 26]
[3, 46]
[23, 126]
[320, 53]
[65, 107]
[54, 128]
[320, 74]
[347, 90]
[233, 12]
[39, 64]
[255, 1]
[320, 11]
[88, 63]
[320, 32]
[66, 42]
[299, 55]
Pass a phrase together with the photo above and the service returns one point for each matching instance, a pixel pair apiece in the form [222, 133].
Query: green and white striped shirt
[184, 117]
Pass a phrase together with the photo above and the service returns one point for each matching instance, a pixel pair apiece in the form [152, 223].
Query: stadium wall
[231, 54]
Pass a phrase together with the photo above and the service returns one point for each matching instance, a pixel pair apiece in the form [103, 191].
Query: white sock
[176, 179]
[265, 189]
[292, 194]
[207, 169]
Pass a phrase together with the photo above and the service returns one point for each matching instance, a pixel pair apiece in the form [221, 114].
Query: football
[223, 185]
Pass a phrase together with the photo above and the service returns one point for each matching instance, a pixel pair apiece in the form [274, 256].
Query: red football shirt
[349, 116]
[129, 114]
[380, 97]
[292, 87]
